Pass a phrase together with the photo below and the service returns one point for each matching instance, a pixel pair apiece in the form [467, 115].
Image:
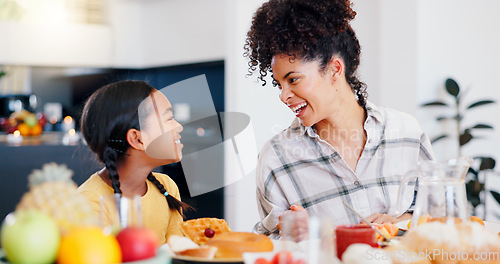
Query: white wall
[267, 114]
[460, 39]
[183, 31]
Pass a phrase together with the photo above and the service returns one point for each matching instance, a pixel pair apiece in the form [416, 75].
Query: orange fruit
[24, 129]
[477, 219]
[456, 220]
[36, 130]
[383, 230]
[392, 229]
[83, 245]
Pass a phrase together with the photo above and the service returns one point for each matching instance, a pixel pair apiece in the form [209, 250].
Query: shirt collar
[372, 112]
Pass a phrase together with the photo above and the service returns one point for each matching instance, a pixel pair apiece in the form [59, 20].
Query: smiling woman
[340, 147]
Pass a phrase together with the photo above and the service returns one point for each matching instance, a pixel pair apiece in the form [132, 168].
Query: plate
[493, 227]
[278, 245]
[490, 226]
[194, 260]
[160, 258]
[403, 225]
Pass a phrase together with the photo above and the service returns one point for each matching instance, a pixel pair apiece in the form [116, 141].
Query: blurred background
[55, 53]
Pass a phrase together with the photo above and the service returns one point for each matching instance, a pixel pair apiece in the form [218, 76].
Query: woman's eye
[292, 80]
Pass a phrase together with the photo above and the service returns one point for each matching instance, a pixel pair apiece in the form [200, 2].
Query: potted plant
[464, 135]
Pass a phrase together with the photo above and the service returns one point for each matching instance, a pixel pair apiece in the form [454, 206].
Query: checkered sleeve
[271, 201]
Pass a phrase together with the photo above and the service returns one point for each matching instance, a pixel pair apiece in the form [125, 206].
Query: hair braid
[172, 202]
[110, 158]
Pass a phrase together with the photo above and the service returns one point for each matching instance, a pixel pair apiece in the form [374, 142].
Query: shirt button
[356, 183]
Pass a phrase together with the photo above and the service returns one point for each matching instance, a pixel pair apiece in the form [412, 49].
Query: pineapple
[51, 190]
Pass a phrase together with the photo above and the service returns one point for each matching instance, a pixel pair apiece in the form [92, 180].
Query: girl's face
[309, 93]
[160, 132]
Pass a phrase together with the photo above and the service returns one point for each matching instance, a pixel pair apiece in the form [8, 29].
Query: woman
[122, 122]
[340, 148]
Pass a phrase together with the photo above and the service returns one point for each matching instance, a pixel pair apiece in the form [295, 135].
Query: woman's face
[308, 92]
[160, 131]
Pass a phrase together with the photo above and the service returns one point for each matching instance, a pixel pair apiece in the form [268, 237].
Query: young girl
[118, 122]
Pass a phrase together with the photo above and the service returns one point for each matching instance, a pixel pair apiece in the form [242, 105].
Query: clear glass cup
[118, 212]
[311, 235]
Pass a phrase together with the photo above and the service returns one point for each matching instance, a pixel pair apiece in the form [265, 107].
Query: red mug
[351, 234]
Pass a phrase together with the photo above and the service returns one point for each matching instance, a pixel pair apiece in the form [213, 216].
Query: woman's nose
[285, 94]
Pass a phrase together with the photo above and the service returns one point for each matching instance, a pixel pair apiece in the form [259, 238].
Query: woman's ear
[336, 67]
[134, 139]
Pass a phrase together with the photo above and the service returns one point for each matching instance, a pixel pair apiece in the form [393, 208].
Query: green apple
[30, 237]
[30, 120]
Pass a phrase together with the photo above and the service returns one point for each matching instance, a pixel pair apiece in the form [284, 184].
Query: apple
[30, 237]
[137, 243]
[30, 120]
[42, 120]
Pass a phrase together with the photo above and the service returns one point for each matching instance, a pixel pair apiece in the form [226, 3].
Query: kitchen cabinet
[81, 45]
[138, 34]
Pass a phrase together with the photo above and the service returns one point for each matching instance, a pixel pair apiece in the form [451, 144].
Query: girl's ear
[134, 139]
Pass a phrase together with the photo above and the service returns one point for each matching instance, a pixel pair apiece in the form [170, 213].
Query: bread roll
[465, 242]
[234, 244]
[183, 246]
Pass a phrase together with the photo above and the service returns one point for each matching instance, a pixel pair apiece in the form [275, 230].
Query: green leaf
[479, 103]
[452, 87]
[481, 126]
[2, 74]
[496, 196]
[438, 138]
[472, 193]
[465, 137]
[487, 163]
[435, 103]
[441, 118]
[473, 172]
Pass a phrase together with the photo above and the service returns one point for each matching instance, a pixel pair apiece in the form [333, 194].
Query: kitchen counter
[47, 138]
[18, 161]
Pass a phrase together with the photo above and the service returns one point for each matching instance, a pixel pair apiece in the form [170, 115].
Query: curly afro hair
[309, 30]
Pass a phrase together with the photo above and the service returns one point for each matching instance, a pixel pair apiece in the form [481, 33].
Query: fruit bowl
[160, 258]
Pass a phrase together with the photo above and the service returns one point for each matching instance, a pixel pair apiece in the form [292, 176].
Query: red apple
[137, 243]
[42, 120]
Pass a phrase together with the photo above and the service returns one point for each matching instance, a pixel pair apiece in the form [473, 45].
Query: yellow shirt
[155, 211]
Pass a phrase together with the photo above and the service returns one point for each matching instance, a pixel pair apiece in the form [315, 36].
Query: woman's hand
[293, 224]
[384, 218]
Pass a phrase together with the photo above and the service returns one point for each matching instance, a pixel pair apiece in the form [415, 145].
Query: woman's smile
[299, 109]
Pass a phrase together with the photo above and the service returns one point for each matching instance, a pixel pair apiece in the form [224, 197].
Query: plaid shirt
[298, 167]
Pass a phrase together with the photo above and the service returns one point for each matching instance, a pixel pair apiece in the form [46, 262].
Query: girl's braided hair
[306, 29]
[107, 116]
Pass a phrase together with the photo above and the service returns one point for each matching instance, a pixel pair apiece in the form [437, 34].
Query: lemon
[84, 245]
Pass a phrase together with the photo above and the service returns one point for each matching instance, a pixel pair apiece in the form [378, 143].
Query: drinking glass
[351, 234]
[118, 212]
[312, 235]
